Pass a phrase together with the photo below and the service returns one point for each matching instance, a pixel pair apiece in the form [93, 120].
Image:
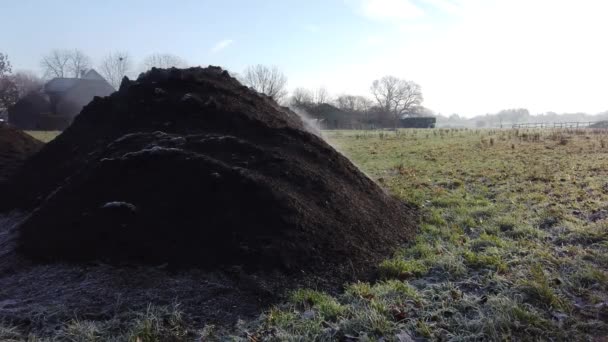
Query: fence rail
[577, 124]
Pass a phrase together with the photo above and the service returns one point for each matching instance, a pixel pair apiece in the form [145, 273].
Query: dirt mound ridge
[192, 168]
[15, 147]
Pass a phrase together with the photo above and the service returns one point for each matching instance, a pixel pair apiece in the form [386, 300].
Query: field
[44, 136]
[513, 245]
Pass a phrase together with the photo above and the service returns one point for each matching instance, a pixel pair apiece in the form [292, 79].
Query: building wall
[55, 109]
[72, 102]
[26, 113]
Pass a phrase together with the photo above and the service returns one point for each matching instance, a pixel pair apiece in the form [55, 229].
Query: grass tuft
[402, 269]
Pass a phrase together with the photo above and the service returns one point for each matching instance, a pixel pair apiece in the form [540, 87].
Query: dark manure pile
[15, 148]
[191, 168]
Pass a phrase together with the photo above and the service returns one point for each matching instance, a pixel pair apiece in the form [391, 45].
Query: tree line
[507, 117]
[113, 67]
[390, 98]
[66, 63]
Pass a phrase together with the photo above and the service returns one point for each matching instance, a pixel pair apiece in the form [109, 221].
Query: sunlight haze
[470, 57]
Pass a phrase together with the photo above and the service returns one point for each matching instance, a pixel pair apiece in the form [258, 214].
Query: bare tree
[395, 96]
[301, 97]
[364, 104]
[164, 61]
[267, 80]
[115, 66]
[321, 95]
[359, 106]
[5, 65]
[26, 82]
[65, 63]
[347, 103]
[78, 63]
[305, 97]
[8, 90]
[513, 115]
[353, 103]
[55, 64]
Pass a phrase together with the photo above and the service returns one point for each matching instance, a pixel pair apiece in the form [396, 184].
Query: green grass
[402, 269]
[506, 249]
[44, 136]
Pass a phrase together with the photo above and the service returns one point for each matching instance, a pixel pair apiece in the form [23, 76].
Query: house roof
[58, 85]
[61, 84]
[93, 75]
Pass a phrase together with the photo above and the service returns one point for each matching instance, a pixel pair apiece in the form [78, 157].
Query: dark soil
[192, 168]
[42, 298]
[15, 148]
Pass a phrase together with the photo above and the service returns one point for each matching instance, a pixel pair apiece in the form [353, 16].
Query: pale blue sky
[470, 56]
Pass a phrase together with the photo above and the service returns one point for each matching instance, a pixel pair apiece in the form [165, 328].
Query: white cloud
[390, 9]
[221, 45]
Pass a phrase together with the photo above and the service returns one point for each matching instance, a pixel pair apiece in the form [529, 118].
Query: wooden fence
[577, 124]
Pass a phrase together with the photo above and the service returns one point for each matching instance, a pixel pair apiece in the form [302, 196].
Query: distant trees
[55, 64]
[512, 116]
[267, 80]
[9, 94]
[163, 60]
[78, 63]
[115, 66]
[26, 82]
[301, 97]
[395, 96]
[65, 63]
[320, 95]
[358, 105]
[353, 103]
[347, 102]
[505, 118]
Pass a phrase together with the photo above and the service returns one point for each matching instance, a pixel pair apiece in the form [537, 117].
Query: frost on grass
[504, 252]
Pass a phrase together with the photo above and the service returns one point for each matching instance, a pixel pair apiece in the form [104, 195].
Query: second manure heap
[15, 148]
[192, 168]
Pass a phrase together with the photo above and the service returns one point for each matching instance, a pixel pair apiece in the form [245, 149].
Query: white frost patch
[9, 223]
[137, 134]
[154, 150]
[119, 204]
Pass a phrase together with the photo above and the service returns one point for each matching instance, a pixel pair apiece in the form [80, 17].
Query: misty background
[476, 63]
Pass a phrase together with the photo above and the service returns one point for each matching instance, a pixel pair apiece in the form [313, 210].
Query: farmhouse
[60, 101]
